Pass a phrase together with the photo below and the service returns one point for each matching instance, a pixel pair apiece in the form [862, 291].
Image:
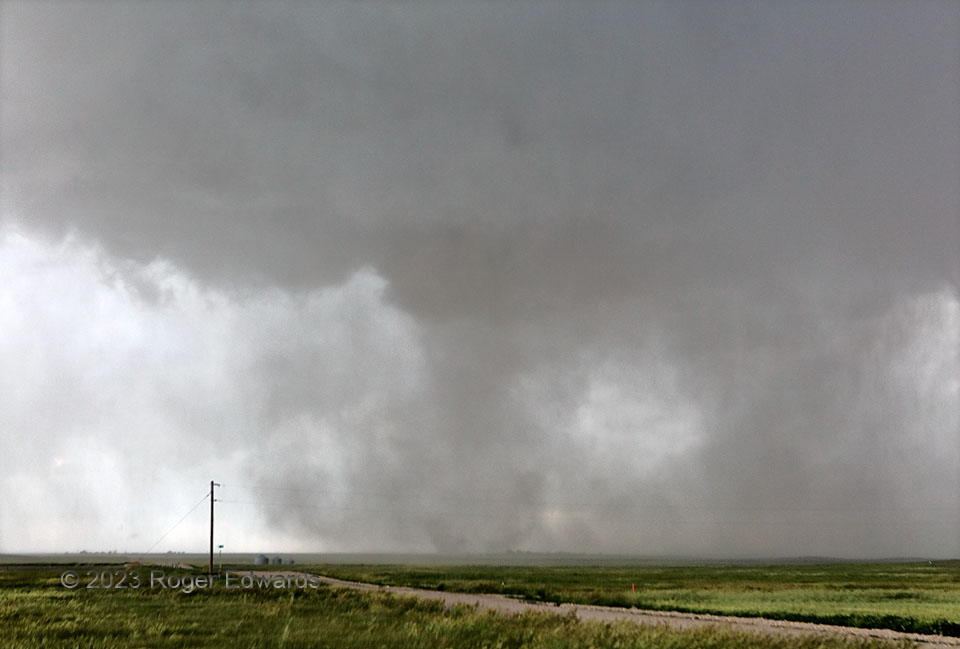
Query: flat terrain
[37, 610]
[919, 597]
[680, 621]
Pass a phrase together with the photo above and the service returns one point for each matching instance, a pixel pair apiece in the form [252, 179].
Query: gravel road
[511, 606]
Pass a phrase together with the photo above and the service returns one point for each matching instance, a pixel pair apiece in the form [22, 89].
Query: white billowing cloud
[125, 388]
[703, 280]
[640, 417]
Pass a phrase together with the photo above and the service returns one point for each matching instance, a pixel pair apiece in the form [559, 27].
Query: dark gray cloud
[657, 278]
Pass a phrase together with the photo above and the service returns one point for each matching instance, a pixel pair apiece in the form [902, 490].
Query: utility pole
[212, 485]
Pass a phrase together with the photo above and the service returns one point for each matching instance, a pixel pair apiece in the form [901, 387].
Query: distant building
[289, 561]
[277, 561]
[261, 560]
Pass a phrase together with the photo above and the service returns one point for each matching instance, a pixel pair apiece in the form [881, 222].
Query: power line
[192, 509]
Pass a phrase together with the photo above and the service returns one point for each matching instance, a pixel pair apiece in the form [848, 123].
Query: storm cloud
[662, 278]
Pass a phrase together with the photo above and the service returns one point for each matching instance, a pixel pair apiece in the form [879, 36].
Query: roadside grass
[913, 597]
[36, 611]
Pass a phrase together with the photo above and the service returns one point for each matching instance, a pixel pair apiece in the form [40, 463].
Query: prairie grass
[35, 611]
[916, 597]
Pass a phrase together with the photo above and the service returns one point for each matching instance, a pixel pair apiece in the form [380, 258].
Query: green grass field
[37, 611]
[915, 597]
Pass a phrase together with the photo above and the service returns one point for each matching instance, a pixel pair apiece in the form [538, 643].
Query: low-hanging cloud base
[639, 278]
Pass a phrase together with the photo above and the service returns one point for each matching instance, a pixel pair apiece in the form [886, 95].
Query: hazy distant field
[36, 610]
[422, 559]
[917, 597]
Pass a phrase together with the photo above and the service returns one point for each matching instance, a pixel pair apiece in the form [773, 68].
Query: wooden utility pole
[212, 485]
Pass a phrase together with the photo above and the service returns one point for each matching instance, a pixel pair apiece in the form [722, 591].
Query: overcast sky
[640, 277]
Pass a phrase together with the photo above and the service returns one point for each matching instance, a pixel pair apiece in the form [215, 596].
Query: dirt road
[511, 606]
